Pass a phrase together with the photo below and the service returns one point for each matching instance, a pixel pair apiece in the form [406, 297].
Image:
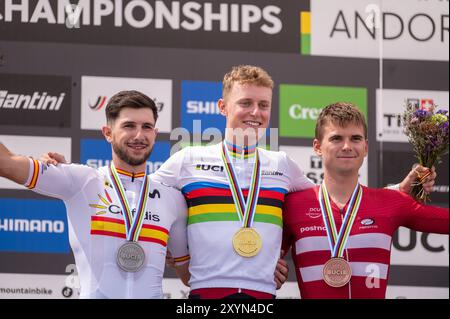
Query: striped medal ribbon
[337, 271]
[130, 256]
[246, 242]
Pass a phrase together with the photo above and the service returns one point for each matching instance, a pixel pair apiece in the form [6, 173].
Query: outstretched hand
[53, 158]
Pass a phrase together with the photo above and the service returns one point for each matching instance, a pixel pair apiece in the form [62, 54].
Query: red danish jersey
[368, 249]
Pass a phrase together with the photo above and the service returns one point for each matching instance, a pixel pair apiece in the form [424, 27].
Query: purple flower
[421, 114]
[443, 112]
[444, 127]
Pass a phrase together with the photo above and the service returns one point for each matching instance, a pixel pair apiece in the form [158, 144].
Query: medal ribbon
[338, 241]
[132, 226]
[246, 210]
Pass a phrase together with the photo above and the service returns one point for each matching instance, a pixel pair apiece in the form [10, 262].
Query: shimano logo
[36, 101]
[32, 226]
[202, 107]
[312, 228]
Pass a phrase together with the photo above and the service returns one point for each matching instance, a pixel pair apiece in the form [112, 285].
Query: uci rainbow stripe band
[338, 241]
[132, 226]
[246, 210]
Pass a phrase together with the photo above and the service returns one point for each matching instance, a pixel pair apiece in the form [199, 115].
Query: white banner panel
[311, 164]
[392, 29]
[411, 292]
[25, 286]
[391, 105]
[96, 91]
[34, 146]
[419, 249]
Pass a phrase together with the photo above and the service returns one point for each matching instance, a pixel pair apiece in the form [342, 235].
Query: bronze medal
[130, 257]
[337, 272]
[247, 242]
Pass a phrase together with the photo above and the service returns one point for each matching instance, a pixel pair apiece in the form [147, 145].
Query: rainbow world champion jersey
[200, 174]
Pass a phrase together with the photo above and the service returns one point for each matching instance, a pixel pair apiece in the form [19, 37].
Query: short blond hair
[246, 74]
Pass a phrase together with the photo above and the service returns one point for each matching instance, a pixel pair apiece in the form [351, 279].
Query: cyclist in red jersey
[341, 232]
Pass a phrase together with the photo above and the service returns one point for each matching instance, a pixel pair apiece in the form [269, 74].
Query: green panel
[305, 44]
[300, 105]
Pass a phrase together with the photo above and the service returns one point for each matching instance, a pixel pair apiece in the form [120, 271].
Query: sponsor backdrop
[60, 61]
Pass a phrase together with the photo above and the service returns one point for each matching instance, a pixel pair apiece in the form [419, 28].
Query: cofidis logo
[300, 106]
[37, 226]
[199, 110]
[97, 152]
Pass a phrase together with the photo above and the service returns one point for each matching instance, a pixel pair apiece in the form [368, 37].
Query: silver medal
[130, 257]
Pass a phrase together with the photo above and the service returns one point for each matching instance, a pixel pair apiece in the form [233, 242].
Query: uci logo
[205, 167]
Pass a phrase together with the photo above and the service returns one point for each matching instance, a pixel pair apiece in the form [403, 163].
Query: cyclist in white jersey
[117, 254]
[218, 266]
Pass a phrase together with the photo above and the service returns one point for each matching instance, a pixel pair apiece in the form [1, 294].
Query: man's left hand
[418, 172]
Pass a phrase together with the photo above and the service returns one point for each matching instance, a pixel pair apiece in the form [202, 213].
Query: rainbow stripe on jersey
[213, 202]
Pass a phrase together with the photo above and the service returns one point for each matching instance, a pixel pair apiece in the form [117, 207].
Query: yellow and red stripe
[135, 175]
[34, 178]
[107, 226]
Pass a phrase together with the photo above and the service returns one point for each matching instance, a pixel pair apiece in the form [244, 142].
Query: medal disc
[130, 257]
[247, 242]
[337, 272]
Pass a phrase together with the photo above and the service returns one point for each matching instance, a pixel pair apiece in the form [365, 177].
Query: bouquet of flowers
[427, 131]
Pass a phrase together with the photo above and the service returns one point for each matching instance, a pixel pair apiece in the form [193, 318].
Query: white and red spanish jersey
[199, 173]
[368, 249]
[97, 229]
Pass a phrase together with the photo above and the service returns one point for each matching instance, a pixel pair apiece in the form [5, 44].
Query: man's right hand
[53, 158]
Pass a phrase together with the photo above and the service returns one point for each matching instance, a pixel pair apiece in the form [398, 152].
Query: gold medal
[337, 272]
[247, 242]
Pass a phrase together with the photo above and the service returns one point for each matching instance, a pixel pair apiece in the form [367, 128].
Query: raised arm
[13, 167]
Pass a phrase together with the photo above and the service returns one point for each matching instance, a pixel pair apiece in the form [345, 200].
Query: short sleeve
[60, 181]
[178, 245]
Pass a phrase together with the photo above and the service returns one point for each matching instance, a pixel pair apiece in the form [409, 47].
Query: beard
[124, 156]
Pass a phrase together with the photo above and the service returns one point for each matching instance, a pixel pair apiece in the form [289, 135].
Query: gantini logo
[300, 106]
[408, 29]
[36, 101]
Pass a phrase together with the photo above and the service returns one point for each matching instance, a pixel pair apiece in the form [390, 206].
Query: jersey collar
[131, 176]
[240, 151]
